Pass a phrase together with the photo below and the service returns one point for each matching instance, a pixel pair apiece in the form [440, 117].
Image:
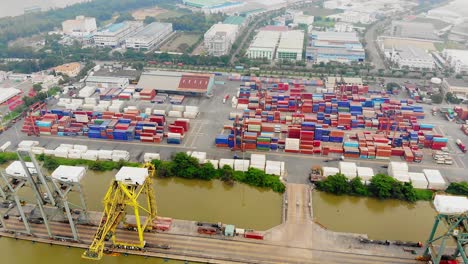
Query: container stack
[241, 165]
[418, 180]
[215, 163]
[86, 92]
[348, 169]
[399, 171]
[228, 162]
[200, 156]
[435, 180]
[330, 171]
[176, 99]
[147, 94]
[191, 111]
[365, 173]
[275, 168]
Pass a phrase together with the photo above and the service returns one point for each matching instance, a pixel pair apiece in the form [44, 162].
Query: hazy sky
[16, 7]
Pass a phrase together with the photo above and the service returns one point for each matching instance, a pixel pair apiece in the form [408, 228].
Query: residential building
[326, 46]
[412, 57]
[303, 19]
[264, 45]
[106, 82]
[69, 69]
[415, 30]
[149, 36]
[114, 35]
[80, 26]
[219, 38]
[457, 59]
[458, 87]
[291, 45]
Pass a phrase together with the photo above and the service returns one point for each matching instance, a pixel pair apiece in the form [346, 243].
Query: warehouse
[334, 46]
[264, 45]
[291, 45]
[150, 36]
[219, 39]
[415, 30]
[8, 93]
[114, 35]
[458, 87]
[412, 58]
[177, 82]
[107, 82]
[457, 59]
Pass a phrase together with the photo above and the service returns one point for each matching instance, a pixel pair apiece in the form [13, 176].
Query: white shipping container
[82, 148]
[190, 108]
[148, 157]
[74, 155]
[37, 150]
[451, 205]
[105, 154]
[77, 101]
[418, 180]
[90, 155]
[200, 156]
[365, 173]
[215, 163]
[180, 108]
[105, 103]
[435, 180]
[5, 146]
[330, 171]
[61, 152]
[91, 100]
[190, 114]
[28, 144]
[159, 112]
[229, 162]
[175, 114]
[49, 152]
[88, 106]
[241, 165]
[348, 169]
[67, 146]
[273, 167]
[242, 106]
[292, 143]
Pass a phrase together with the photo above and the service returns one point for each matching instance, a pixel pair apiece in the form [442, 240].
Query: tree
[437, 98]
[452, 98]
[37, 87]
[50, 163]
[227, 174]
[149, 20]
[381, 186]
[336, 184]
[392, 86]
[458, 188]
[207, 172]
[358, 188]
[124, 17]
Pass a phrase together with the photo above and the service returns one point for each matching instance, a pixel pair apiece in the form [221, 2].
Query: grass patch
[424, 195]
[181, 42]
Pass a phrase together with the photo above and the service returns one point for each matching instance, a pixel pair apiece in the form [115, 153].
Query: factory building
[214, 6]
[236, 20]
[412, 57]
[115, 35]
[106, 82]
[264, 45]
[290, 46]
[80, 26]
[149, 36]
[177, 82]
[219, 38]
[457, 59]
[343, 47]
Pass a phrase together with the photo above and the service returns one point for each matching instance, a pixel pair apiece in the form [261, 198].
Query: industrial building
[106, 82]
[303, 19]
[177, 82]
[69, 69]
[114, 35]
[219, 38]
[264, 45]
[415, 30]
[329, 46]
[213, 6]
[458, 87]
[8, 93]
[80, 26]
[149, 36]
[291, 45]
[412, 58]
[457, 59]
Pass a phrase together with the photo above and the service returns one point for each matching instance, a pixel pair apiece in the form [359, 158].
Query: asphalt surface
[371, 45]
[214, 115]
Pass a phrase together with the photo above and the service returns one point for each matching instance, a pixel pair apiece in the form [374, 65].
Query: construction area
[280, 126]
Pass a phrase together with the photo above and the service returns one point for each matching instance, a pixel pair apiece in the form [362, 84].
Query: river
[389, 219]
[15, 8]
[241, 205]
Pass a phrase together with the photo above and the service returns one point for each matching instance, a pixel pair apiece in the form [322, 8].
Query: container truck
[461, 146]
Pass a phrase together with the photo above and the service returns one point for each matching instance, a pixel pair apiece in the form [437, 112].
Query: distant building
[291, 45]
[412, 57]
[69, 69]
[107, 82]
[213, 6]
[457, 59]
[303, 19]
[240, 21]
[149, 36]
[115, 35]
[177, 82]
[80, 26]
[458, 87]
[264, 45]
[354, 17]
[219, 38]
[8, 93]
[326, 46]
[415, 30]
[343, 27]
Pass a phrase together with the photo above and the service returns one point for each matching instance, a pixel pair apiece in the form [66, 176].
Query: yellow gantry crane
[130, 186]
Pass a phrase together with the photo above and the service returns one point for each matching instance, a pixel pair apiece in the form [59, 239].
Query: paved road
[371, 45]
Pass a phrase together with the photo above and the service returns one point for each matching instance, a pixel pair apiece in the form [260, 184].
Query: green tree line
[381, 186]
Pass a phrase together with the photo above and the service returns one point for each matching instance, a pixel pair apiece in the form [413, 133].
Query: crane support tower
[452, 217]
[130, 186]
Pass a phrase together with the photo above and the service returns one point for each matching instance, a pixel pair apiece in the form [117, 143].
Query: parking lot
[214, 115]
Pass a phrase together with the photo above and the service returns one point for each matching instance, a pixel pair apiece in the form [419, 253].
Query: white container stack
[63, 102]
[274, 168]
[292, 144]
[37, 150]
[174, 113]
[91, 100]
[69, 173]
[418, 180]
[215, 163]
[49, 152]
[191, 111]
[451, 205]
[74, 153]
[116, 106]
[17, 169]
[61, 152]
[120, 155]
[90, 155]
[148, 157]
[105, 154]
[365, 173]
[242, 106]
[86, 91]
[330, 171]
[159, 112]
[26, 145]
[200, 156]
[348, 169]
[435, 180]
[5, 146]
[399, 171]
[229, 162]
[258, 161]
[180, 108]
[241, 165]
